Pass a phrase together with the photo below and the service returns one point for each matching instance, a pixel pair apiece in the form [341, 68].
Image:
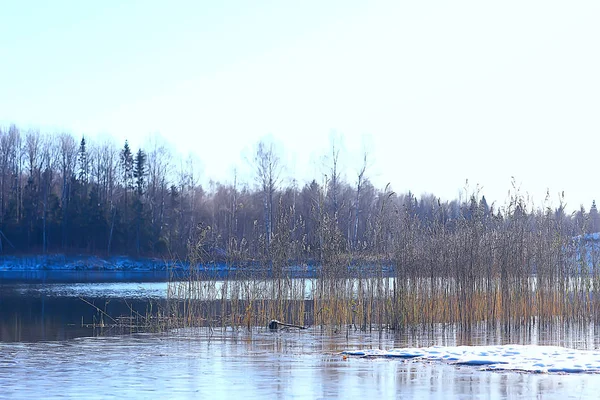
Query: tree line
[62, 194]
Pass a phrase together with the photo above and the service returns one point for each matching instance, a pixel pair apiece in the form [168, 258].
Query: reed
[508, 270]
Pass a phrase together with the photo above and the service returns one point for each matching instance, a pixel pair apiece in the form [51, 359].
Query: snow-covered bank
[525, 358]
[61, 262]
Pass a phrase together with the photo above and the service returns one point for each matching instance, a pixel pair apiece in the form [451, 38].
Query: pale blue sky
[437, 91]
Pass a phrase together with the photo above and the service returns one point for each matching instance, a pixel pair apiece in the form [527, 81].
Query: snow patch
[524, 358]
[60, 262]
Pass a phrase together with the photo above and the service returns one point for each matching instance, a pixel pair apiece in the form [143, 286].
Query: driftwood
[274, 325]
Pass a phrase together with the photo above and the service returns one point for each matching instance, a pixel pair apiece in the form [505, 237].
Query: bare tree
[33, 150]
[67, 160]
[191, 194]
[33, 143]
[359, 186]
[334, 179]
[48, 166]
[105, 169]
[9, 154]
[268, 169]
[17, 167]
[159, 163]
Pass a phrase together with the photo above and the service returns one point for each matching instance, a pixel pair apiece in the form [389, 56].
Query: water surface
[194, 364]
[47, 350]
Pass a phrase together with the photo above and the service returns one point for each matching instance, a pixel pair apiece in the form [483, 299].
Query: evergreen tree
[82, 160]
[96, 222]
[139, 171]
[594, 218]
[127, 167]
[127, 182]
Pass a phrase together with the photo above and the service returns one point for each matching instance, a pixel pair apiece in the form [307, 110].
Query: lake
[50, 348]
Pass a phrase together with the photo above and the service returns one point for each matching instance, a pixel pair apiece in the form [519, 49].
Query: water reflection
[33, 319]
[197, 364]
[58, 311]
[47, 350]
[34, 312]
[42, 276]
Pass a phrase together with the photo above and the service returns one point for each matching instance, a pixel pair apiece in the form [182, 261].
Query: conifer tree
[139, 171]
[82, 160]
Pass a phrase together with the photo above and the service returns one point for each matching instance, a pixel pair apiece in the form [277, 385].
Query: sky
[437, 93]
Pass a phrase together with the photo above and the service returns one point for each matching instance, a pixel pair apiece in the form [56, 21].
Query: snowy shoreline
[217, 269]
[519, 358]
[61, 262]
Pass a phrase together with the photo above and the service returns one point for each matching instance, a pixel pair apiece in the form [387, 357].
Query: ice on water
[527, 358]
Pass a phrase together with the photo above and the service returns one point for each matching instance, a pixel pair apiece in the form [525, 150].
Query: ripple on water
[190, 363]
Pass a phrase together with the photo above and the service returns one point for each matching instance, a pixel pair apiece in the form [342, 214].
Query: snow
[60, 262]
[524, 358]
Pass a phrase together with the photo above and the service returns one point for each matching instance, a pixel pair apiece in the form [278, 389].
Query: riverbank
[62, 262]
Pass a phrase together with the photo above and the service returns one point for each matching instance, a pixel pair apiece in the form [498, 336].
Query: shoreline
[62, 262]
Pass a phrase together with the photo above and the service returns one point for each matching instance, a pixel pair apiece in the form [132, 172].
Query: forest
[65, 194]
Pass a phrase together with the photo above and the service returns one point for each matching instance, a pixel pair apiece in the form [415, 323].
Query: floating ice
[526, 358]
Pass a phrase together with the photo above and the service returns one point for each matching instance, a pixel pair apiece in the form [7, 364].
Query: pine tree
[127, 166]
[139, 171]
[82, 160]
[594, 218]
[127, 176]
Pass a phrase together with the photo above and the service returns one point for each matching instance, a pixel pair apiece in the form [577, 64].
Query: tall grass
[508, 270]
